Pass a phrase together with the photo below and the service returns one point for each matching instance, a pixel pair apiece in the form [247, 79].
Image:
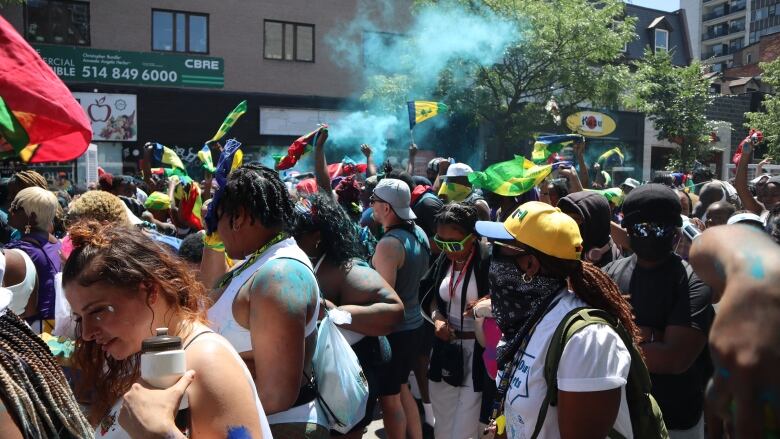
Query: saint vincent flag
[303, 145]
[40, 121]
[545, 146]
[231, 119]
[510, 178]
[163, 155]
[423, 110]
[613, 154]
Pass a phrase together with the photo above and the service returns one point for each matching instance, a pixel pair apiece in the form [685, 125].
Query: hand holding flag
[510, 178]
[301, 146]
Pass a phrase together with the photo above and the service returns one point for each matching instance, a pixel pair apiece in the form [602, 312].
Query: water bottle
[163, 361]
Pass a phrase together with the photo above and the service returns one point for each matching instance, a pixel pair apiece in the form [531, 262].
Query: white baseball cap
[459, 170]
[630, 182]
[745, 217]
[396, 193]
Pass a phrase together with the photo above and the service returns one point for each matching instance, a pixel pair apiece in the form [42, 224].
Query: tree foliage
[768, 120]
[567, 49]
[675, 99]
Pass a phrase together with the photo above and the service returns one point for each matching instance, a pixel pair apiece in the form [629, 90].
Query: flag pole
[411, 135]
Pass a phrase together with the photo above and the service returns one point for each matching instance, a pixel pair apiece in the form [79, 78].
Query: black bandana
[517, 305]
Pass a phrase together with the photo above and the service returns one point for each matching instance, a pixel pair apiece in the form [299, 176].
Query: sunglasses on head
[451, 246]
[650, 230]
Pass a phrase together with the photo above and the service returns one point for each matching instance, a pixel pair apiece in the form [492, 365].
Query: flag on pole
[40, 120]
[614, 154]
[227, 158]
[545, 146]
[420, 111]
[303, 145]
[510, 178]
[231, 119]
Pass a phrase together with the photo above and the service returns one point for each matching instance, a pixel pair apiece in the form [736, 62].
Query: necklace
[281, 236]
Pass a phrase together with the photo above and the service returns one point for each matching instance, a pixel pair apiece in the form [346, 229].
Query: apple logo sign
[99, 112]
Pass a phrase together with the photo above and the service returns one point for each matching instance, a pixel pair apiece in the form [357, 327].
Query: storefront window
[57, 22]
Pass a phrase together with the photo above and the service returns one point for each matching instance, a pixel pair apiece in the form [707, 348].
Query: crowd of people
[573, 308]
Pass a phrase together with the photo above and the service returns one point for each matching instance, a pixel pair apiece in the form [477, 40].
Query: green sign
[77, 64]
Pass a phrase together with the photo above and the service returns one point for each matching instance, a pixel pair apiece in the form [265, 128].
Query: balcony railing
[727, 10]
[723, 31]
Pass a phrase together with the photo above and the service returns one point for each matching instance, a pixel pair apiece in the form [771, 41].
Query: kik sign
[591, 123]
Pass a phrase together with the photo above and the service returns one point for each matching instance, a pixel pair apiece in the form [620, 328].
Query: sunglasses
[372, 199]
[452, 246]
[649, 230]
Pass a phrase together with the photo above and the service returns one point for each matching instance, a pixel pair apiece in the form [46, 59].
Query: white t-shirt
[455, 310]
[595, 359]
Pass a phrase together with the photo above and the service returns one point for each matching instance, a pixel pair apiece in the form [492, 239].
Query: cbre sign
[591, 123]
[83, 64]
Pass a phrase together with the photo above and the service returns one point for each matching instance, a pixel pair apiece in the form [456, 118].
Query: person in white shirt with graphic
[536, 256]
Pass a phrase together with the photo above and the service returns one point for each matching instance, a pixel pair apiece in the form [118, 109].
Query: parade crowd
[570, 307]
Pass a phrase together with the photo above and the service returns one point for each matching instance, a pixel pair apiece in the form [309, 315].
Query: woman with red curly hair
[122, 287]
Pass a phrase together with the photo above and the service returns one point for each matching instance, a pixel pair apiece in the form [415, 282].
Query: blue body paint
[755, 266]
[238, 432]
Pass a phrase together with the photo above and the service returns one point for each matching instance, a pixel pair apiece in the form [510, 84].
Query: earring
[27, 229]
[236, 227]
[526, 278]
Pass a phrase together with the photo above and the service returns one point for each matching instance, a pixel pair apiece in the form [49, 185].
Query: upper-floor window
[288, 41]
[57, 22]
[661, 39]
[174, 31]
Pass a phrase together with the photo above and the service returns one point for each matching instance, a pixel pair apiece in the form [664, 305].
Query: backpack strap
[573, 322]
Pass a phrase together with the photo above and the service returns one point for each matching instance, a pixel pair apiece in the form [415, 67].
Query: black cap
[161, 342]
[652, 203]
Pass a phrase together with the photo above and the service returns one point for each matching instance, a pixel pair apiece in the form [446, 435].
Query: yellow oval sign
[591, 123]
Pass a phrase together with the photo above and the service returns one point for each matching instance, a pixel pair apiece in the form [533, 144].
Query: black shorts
[405, 346]
[428, 334]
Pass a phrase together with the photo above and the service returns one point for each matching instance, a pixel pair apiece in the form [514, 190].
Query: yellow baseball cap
[539, 226]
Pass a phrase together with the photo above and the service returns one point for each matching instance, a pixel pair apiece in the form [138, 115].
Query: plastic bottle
[163, 360]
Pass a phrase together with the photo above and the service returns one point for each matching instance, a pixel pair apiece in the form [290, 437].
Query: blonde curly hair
[99, 206]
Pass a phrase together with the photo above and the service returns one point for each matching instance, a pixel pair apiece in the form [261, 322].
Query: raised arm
[370, 165]
[321, 164]
[412, 155]
[146, 165]
[741, 180]
[579, 152]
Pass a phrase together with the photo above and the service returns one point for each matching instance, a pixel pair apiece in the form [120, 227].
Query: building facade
[718, 29]
[169, 71]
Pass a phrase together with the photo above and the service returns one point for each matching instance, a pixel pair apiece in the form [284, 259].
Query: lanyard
[461, 275]
[281, 236]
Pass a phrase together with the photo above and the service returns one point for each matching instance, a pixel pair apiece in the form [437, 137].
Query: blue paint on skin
[755, 266]
[238, 432]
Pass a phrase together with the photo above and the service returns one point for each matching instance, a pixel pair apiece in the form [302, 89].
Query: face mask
[652, 248]
[516, 304]
[454, 192]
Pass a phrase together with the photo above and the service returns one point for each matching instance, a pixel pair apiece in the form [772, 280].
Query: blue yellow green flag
[420, 111]
[229, 121]
[545, 146]
[204, 155]
[166, 156]
[510, 178]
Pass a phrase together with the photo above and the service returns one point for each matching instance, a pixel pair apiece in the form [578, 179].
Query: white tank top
[221, 321]
[23, 290]
[109, 427]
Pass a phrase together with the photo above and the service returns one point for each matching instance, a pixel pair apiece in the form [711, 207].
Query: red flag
[754, 133]
[40, 120]
[298, 148]
[345, 169]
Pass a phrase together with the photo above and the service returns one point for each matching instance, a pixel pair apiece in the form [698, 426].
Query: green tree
[675, 99]
[567, 49]
[768, 120]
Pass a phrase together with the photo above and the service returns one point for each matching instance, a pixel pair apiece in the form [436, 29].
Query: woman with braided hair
[35, 399]
[121, 287]
[536, 257]
[268, 306]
